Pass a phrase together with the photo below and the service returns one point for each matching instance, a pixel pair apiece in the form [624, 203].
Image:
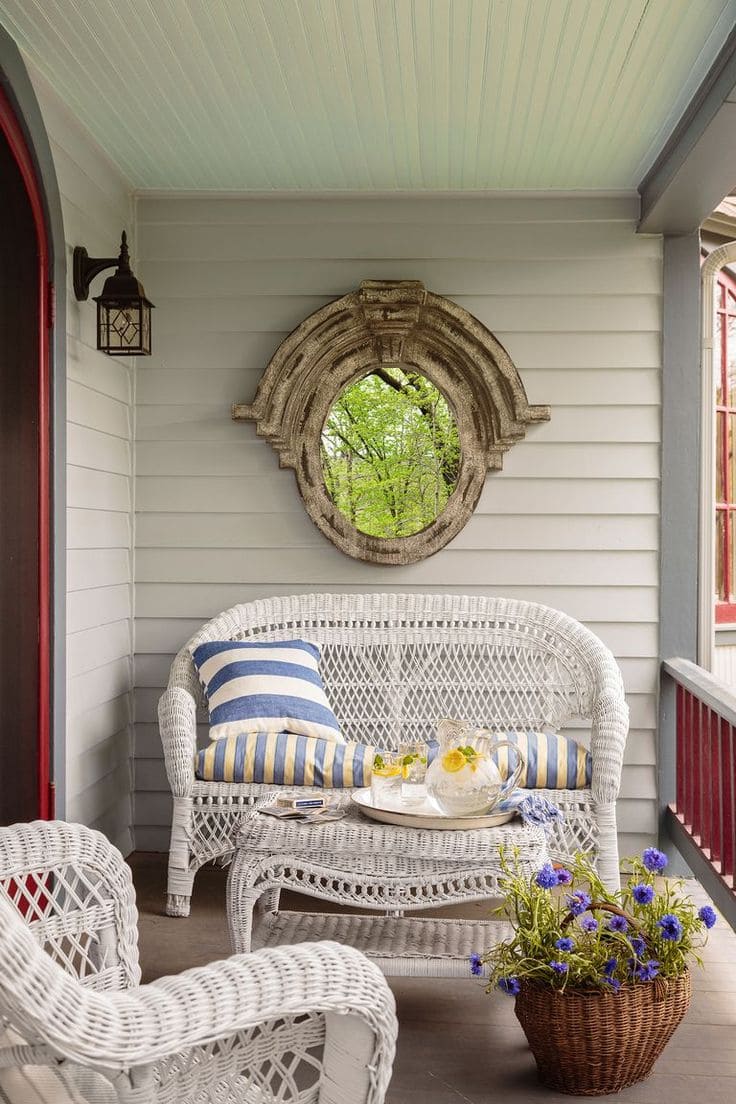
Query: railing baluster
[689, 757]
[727, 804]
[716, 819]
[680, 747]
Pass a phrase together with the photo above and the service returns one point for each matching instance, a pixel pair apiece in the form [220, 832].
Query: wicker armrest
[144, 1025]
[608, 741]
[177, 717]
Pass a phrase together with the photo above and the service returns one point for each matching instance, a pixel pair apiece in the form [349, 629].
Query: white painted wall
[572, 520]
[96, 205]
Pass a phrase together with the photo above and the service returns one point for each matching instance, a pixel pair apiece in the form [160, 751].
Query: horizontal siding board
[502, 493]
[91, 726]
[97, 567]
[530, 348]
[611, 386]
[483, 531]
[112, 376]
[617, 569]
[92, 448]
[333, 278]
[91, 408]
[94, 688]
[97, 606]
[100, 760]
[92, 528]
[378, 241]
[505, 315]
[94, 647]
[93, 804]
[212, 423]
[88, 489]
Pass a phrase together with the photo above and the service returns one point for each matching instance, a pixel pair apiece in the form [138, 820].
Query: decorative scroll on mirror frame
[391, 323]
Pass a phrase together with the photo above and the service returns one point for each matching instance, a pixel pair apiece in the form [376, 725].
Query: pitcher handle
[511, 782]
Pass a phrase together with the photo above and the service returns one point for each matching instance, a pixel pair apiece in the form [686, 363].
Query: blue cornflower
[559, 967]
[613, 982]
[476, 964]
[647, 971]
[546, 877]
[670, 927]
[609, 966]
[589, 924]
[565, 944]
[618, 924]
[707, 915]
[509, 985]
[643, 894]
[578, 902]
[654, 860]
[564, 877]
[638, 946]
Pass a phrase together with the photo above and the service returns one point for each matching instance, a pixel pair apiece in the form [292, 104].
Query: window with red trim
[724, 371]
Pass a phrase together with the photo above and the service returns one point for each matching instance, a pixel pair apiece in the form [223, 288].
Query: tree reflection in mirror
[390, 452]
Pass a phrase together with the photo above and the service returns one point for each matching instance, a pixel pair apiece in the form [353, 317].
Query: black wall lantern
[123, 311]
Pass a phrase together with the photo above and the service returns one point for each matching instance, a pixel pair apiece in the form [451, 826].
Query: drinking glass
[413, 759]
[386, 779]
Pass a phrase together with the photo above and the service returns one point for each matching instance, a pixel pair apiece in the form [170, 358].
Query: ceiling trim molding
[409, 194]
[697, 165]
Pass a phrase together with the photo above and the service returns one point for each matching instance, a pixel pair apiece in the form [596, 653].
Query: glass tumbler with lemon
[413, 758]
[386, 780]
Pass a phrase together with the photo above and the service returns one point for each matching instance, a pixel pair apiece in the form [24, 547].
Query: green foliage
[390, 452]
[649, 929]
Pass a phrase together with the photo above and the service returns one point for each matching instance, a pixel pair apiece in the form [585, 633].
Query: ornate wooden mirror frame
[391, 322]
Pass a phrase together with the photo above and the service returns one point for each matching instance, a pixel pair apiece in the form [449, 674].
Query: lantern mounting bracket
[85, 269]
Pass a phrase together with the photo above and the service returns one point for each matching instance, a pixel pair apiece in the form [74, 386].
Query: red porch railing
[701, 818]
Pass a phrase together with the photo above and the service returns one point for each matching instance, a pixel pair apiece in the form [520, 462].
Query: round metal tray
[424, 815]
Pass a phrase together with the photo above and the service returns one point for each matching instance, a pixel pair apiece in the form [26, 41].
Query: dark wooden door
[23, 693]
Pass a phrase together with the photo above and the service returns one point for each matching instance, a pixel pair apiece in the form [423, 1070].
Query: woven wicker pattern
[312, 1024]
[392, 664]
[376, 867]
[591, 1044]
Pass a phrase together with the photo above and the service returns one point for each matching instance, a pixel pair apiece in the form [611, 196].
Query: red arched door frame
[13, 133]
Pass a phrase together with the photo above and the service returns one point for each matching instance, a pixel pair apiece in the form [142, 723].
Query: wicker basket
[593, 1042]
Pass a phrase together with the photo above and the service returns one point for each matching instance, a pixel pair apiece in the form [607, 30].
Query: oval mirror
[390, 452]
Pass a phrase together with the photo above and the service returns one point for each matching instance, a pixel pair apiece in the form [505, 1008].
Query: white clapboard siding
[571, 521]
[96, 207]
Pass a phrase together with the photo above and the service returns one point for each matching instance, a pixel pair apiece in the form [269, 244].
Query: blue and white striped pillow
[265, 686]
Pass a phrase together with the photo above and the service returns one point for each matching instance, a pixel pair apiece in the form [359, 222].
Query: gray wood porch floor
[457, 1045]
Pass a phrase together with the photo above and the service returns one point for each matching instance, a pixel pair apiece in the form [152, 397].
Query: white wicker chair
[308, 1024]
[392, 664]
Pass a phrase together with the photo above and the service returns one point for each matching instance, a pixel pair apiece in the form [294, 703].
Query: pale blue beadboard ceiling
[375, 95]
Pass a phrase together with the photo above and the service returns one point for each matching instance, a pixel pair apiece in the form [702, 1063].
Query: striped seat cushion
[265, 686]
[285, 759]
[553, 761]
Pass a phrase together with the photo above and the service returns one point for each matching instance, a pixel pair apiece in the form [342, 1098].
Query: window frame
[725, 610]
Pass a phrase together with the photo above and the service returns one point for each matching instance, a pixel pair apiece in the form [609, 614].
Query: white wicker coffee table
[375, 868]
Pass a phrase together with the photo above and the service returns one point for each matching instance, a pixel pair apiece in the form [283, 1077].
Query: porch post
[680, 486]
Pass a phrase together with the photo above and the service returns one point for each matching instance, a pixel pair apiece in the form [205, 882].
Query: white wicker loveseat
[306, 1024]
[392, 664]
